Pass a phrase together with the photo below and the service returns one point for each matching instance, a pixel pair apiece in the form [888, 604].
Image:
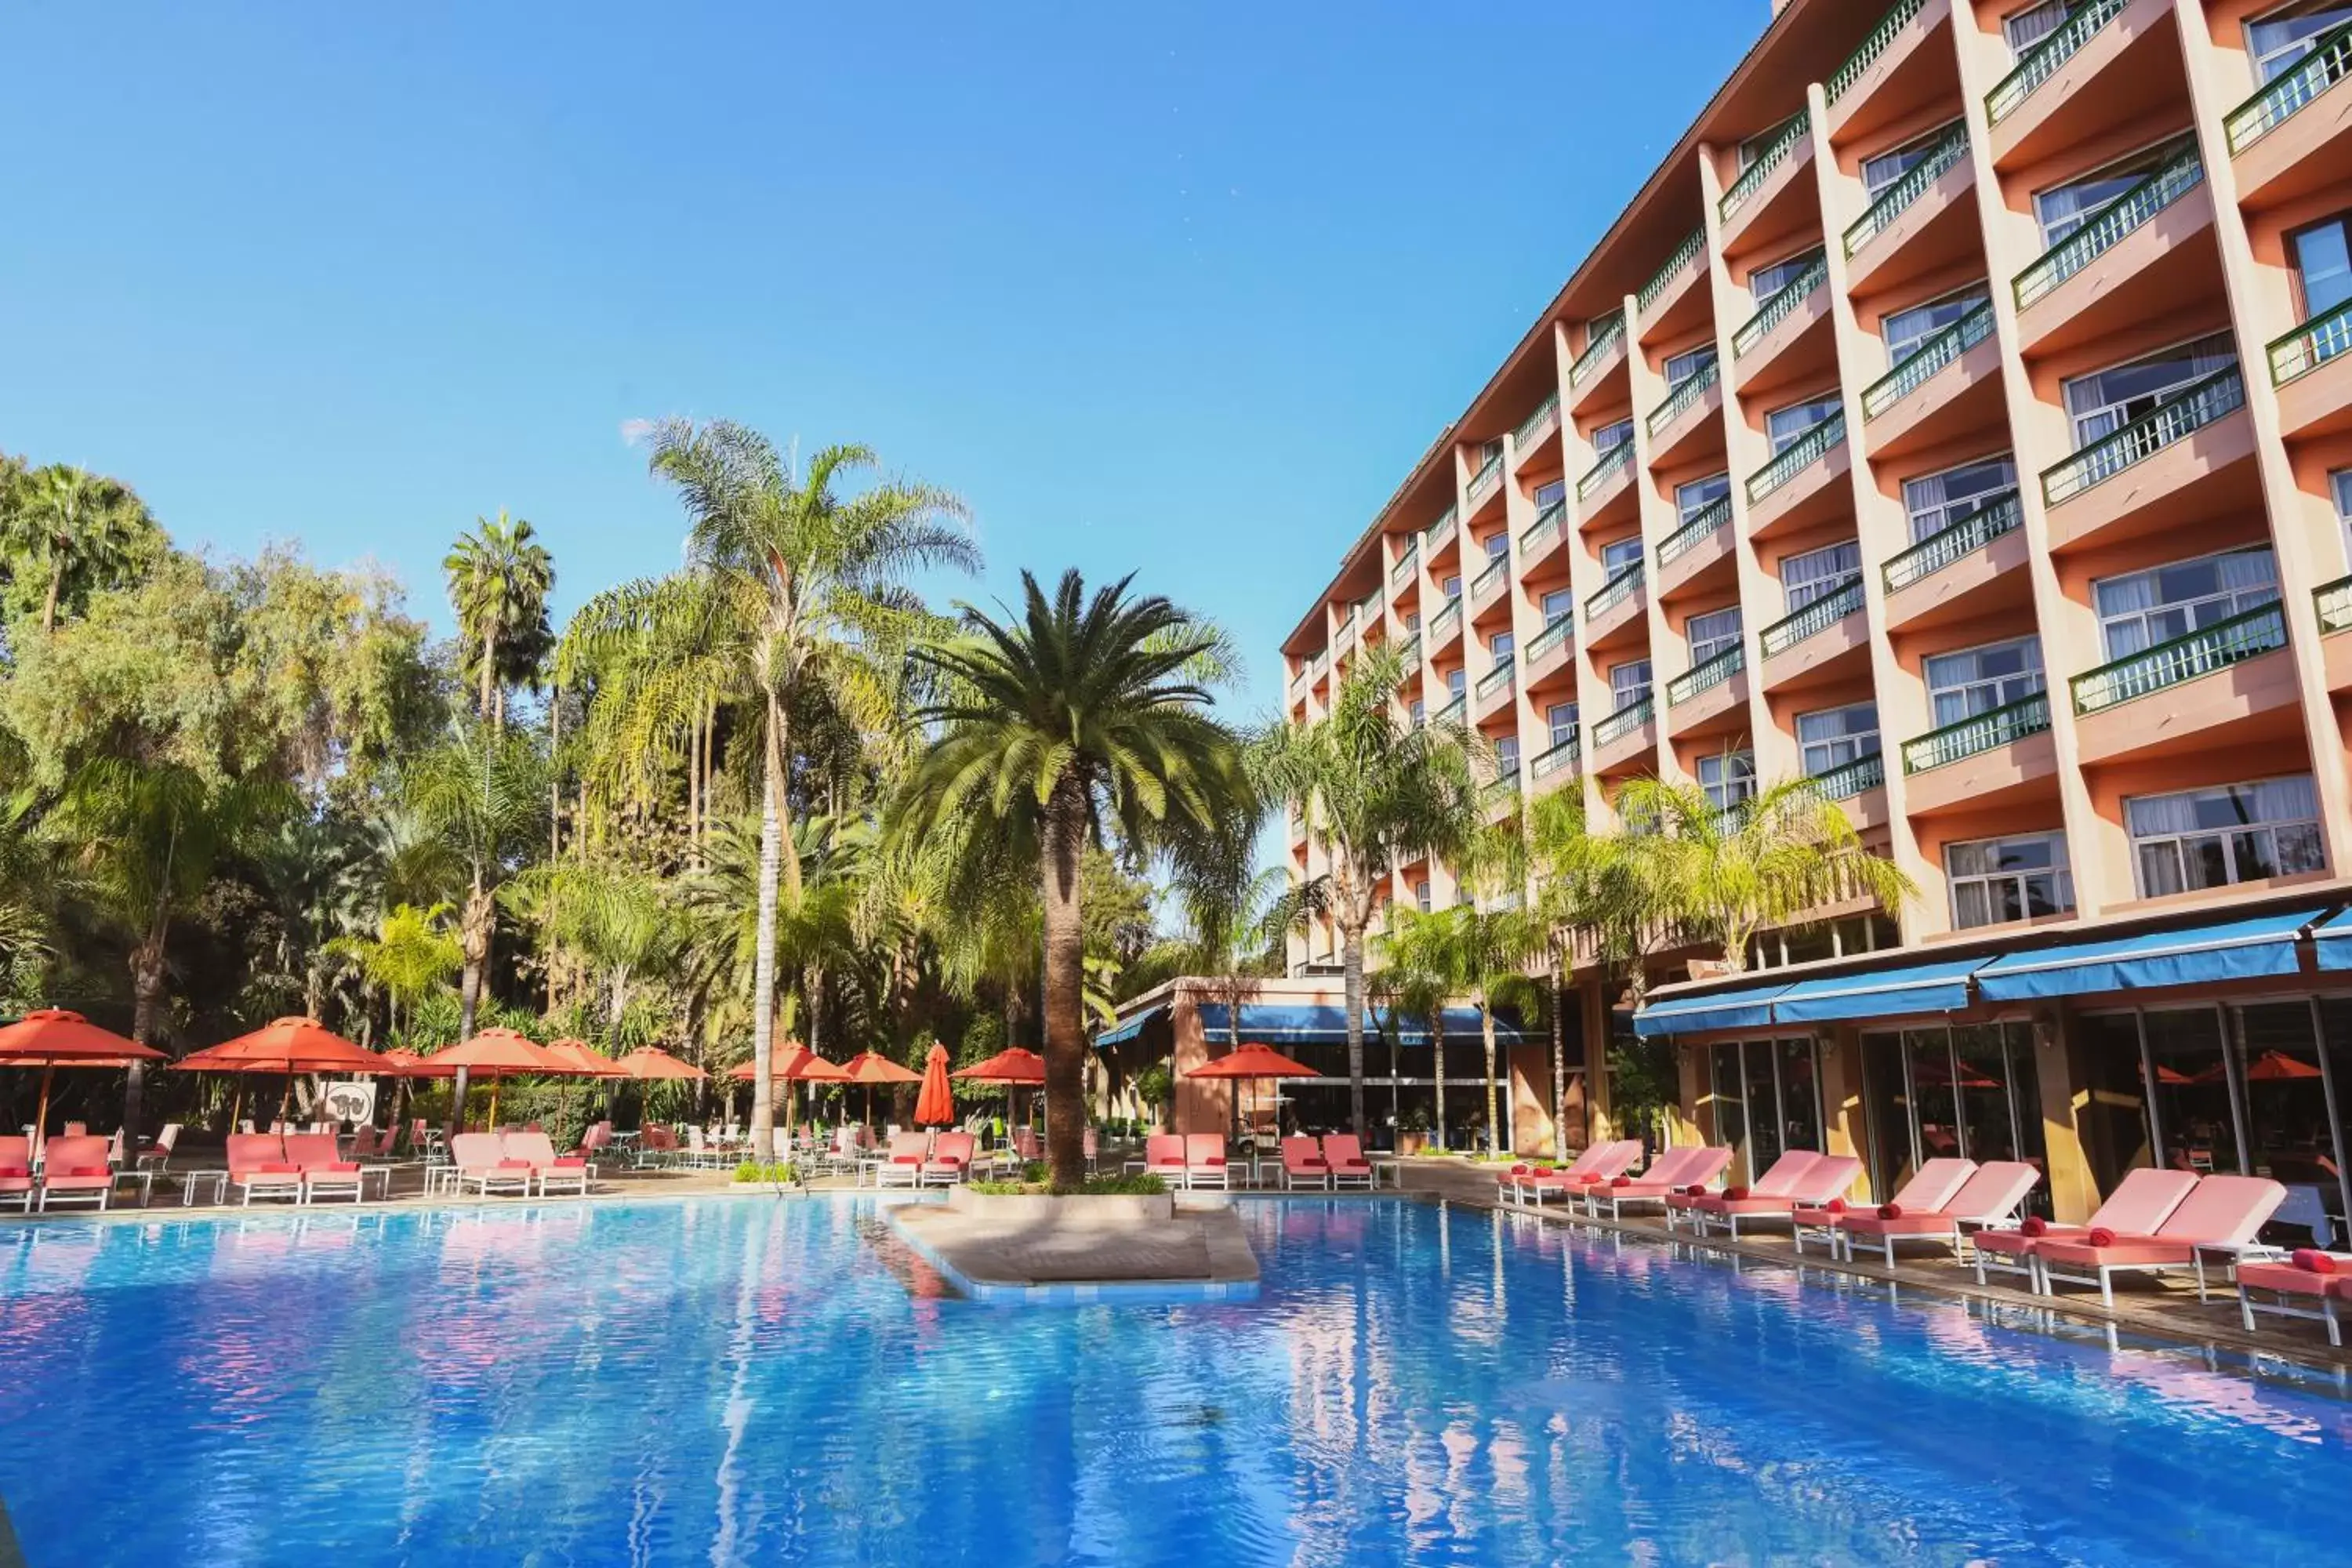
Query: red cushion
[1890, 1211]
[15, 1170]
[569, 1164]
[1620, 1181]
[1835, 1205]
[1694, 1191]
[276, 1168]
[2034, 1226]
[1735, 1193]
[514, 1165]
[1519, 1169]
[1215, 1160]
[79, 1171]
[2101, 1236]
[337, 1168]
[2310, 1260]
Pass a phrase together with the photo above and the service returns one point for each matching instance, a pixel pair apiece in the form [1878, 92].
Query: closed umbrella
[498, 1054]
[53, 1038]
[935, 1106]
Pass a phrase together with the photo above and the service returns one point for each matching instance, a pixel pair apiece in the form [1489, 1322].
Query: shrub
[781, 1172]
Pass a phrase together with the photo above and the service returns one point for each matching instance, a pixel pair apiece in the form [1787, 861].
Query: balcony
[1547, 651]
[2130, 48]
[1891, 71]
[1979, 560]
[2334, 602]
[1541, 537]
[1692, 410]
[2146, 252]
[1484, 487]
[1495, 688]
[1945, 388]
[1409, 654]
[1605, 485]
[2000, 754]
[1533, 431]
[1825, 641]
[1444, 625]
[1556, 764]
[1675, 302]
[1800, 486]
[1614, 608]
[1769, 202]
[1603, 356]
[1788, 338]
[2314, 390]
[1490, 582]
[1626, 736]
[1698, 552]
[1451, 714]
[1921, 222]
[2172, 465]
[1401, 576]
[1845, 783]
[2281, 152]
[1345, 632]
[1710, 698]
[2254, 685]
[1438, 535]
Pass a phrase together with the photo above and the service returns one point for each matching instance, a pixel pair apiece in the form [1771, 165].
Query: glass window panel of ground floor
[1958, 1091]
[1400, 1091]
[1764, 1098]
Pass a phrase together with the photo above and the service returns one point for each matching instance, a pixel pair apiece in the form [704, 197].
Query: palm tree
[1718, 874]
[500, 577]
[1567, 860]
[1085, 718]
[1378, 791]
[1415, 978]
[481, 791]
[792, 595]
[410, 955]
[1478, 951]
[76, 525]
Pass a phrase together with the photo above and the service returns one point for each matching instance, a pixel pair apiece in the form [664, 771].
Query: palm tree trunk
[1437, 1077]
[1065, 1041]
[1352, 966]
[147, 980]
[1559, 1061]
[1494, 1104]
[554, 800]
[56, 588]
[763, 969]
[489, 672]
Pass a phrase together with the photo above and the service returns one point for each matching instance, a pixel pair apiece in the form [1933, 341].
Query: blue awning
[1324, 1024]
[2332, 942]
[1941, 987]
[1128, 1028]
[2233, 949]
[1750, 1008]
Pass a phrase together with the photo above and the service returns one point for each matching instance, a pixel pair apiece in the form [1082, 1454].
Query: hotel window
[1454, 682]
[1818, 573]
[1767, 281]
[1498, 543]
[1905, 331]
[2063, 209]
[1551, 494]
[1413, 620]
[1975, 681]
[1559, 603]
[1452, 587]
[1499, 644]
[1755, 146]
[1830, 738]
[2025, 28]
[2143, 609]
[1420, 713]
[1609, 438]
[1996, 881]
[1681, 367]
[1506, 756]
[2279, 40]
[1620, 553]
[1421, 895]
[1889, 166]
[1715, 632]
[2106, 401]
[1696, 497]
[1938, 501]
[1789, 424]
[1629, 682]
[2339, 485]
[2323, 268]
[1728, 778]
[2212, 837]
[1560, 719]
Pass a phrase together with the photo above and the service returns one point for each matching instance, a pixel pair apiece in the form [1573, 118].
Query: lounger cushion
[2311, 1260]
[571, 1162]
[2021, 1242]
[338, 1168]
[1729, 1204]
[79, 1170]
[2283, 1278]
[2125, 1252]
[15, 1170]
[1901, 1224]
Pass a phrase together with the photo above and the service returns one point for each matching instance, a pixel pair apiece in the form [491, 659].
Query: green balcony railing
[2042, 61]
[1497, 678]
[1797, 457]
[2291, 91]
[1958, 543]
[1685, 396]
[1614, 461]
[1409, 652]
[1452, 713]
[1614, 593]
[1706, 677]
[2184, 658]
[1812, 619]
[1716, 514]
[1531, 428]
[1482, 483]
[1434, 537]
[1539, 535]
[1896, 199]
[1775, 153]
[1622, 722]
[1779, 307]
[1346, 624]
[1550, 638]
[1994, 726]
[1854, 778]
[1663, 278]
[2180, 416]
[1898, 16]
[1322, 662]
[1934, 352]
[2311, 346]
[1446, 623]
[1299, 682]
[2334, 601]
[1408, 563]
[1491, 578]
[2119, 219]
[1563, 755]
[1600, 337]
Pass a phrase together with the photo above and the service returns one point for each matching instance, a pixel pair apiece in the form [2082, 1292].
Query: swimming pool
[728, 1381]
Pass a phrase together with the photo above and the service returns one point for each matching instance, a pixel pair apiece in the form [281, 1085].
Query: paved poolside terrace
[2165, 1307]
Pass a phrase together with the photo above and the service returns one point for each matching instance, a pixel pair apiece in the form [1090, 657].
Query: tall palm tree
[1719, 876]
[1415, 977]
[1478, 951]
[73, 525]
[1376, 791]
[481, 791]
[1083, 720]
[793, 593]
[410, 955]
[1567, 861]
[499, 578]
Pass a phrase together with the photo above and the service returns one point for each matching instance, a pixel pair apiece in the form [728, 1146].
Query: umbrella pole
[494, 1104]
[236, 1103]
[41, 1124]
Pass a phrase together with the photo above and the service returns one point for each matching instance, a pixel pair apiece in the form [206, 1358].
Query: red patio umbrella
[2276, 1066]
[53, 1038]
[584, 1061]
[499, 1054]
[935, 1107]
[869, 1068]
[1252, 1063]
[287, 1045]
[1014, 1067]
[651, 1064]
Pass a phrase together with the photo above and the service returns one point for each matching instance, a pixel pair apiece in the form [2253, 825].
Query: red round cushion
[1890, 1211]
[2311, 1260]
[1620, 1181]
[1835, 1205]
[1694, 1191]
[2101, 1236]
[2034, 1226]
[15, 1170]
[1735, 1193]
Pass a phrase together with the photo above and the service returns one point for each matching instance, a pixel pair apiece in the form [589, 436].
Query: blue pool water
[729, 1381]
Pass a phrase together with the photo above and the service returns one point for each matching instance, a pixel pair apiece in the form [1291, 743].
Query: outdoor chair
[951, 1159]
[484, 1165]
[1303, 1164]
[1991, 1198]
[1827, 1177]
[1931, 1186]
[548, 1169]
[1777, 1179]
[1673, 1173]
[74, 1170]
[1599, 1164]
[1163, 1156]
[903, 1167]
[1204, 1159]
[258, 1168]
[325, 1172]
[2322, 1278]
[16, 1183]
[2224, 1211]
[1344, 1153]
[2139, 1205]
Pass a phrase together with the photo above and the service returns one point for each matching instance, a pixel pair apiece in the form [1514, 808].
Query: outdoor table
[145, 1177]
[191, 1180]
[1393, 1164]
[2226, 1255]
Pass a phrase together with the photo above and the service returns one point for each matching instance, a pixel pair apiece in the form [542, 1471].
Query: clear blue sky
[1179, 290]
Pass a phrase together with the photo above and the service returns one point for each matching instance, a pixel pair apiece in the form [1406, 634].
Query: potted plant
[1412, 1131]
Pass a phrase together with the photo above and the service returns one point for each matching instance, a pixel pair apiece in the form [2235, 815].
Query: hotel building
[1958, 416]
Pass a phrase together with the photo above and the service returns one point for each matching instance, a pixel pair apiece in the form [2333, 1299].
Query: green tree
[1566, 860]
[499, 579]
[65, 531]
[1085, 718]
[1378, 791]
[1475, 951]
[410, 957]
[793, 593]
[482, 790]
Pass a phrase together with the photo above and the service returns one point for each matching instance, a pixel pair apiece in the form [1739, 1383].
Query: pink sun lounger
[1163, 1156]
[951, 1159]
[1515, 1178]
[1827, 1177]
[17, 1171]
[2282, 1288]
[1774, 1184]
[1590, 1170]
[548, 1169]
[1671, 1174]
[904, 1165]
[1204, 1159]
[1344, 1153]
[2141, 1202]
[325, 1172]
[1303, 1164]
[2224, 1211]
[258, 1168]
[1989, 1199]
[1931, 1186]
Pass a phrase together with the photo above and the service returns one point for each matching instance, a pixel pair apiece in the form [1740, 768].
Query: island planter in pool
[1109, 1209]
